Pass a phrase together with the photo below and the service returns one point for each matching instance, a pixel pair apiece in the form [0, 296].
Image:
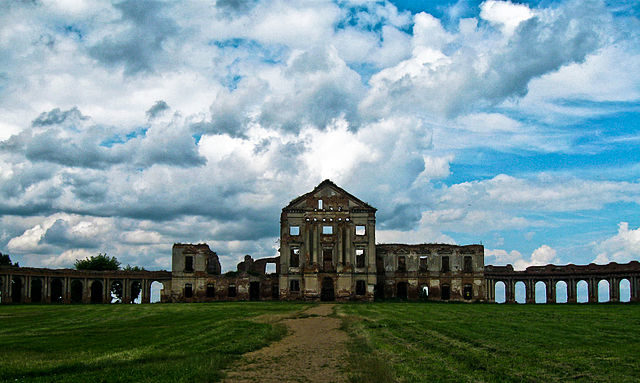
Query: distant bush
[128, 267]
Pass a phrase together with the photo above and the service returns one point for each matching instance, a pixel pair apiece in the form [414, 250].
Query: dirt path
[313, 351]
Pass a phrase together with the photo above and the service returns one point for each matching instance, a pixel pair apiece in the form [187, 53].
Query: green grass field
[406, 342]
[417, 342]
[152, 343]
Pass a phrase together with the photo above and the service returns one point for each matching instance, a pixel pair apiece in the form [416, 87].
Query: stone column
[614, 289]
[633, 284]
[46, 297]
[106, 290]
[530, 291]
[572, 287]
[593, 290]
[510, 293]
[146, 291]
[551, 290]
[126, 291]
[492, 290]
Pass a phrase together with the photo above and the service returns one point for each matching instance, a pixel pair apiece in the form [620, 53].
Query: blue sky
[128, 126]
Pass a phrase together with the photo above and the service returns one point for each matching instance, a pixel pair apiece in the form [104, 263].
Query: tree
[5, 260]
[99, 262]
[128, 267]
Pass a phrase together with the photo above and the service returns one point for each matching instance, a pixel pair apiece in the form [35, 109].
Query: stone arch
[562, 292]
[624, 287]
[136, 292]
[500, 292]
[56, 289]
[424, 292]
[116, 291]
[540, 292]
[156, 292]
[603, 291]
[16, 289]
[36, 290]
[520, 292]
[96, 292]
[582, 291]
[76, 291]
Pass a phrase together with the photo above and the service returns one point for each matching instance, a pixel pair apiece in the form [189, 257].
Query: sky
[128, 126]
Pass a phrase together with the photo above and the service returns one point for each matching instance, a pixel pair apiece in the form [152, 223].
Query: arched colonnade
[36, 285]
[572, 275]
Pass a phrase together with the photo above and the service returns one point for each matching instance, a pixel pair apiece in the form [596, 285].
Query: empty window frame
[467, 292]
[468, 264]
[327, 230]
[294, 285]
[211, 290]
[188, 290]
[445, 264]
[402, 263]
[294, 230]
[232, 290]
[188, 264]
[424, 263]
[294, 261]
[360, 257]
[361, 288]
[361, 230]
[319, 204]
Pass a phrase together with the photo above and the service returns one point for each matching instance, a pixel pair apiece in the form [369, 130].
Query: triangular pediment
[332, 196]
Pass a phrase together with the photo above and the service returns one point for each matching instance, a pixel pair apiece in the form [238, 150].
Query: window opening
[294, 285]
[211, 290]
[467, 292]
[327, 230]
[360, 230]
[445, 293]
[402, 264]
[327, 259]
[294, 230]
[361, 288]
[232, 290]
[188, 290]
[468, 264]
[295, 257]
[359, 257]
[445, 264]
[188, 264]
[319, 204]
[424, 263]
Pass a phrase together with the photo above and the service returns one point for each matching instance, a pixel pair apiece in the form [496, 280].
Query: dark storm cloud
[403, 216]
[138, 48]
[68, 138]
[156, 109]
[59, 234]
[27, 176]
[91, 188]
[57, 116]
[538, 47]
[236, 6]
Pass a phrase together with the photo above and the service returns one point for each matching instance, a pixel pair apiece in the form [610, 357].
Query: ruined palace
[328, 252]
